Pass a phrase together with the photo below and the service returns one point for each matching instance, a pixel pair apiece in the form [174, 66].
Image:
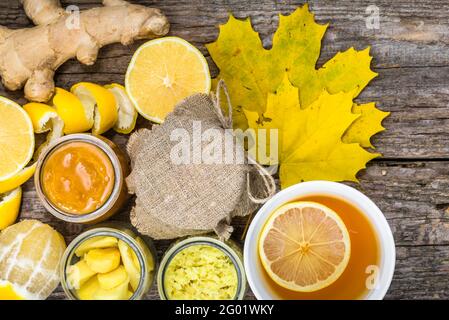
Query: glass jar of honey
[80, 178]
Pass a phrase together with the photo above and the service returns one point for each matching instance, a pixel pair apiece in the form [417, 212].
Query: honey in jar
[77, 177]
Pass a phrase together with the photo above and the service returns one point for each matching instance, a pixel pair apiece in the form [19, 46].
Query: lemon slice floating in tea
[304, 246]
[162, 73]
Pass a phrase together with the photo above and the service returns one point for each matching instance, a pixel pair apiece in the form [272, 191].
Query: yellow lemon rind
[10, 207]
[122, 114]
[20, 178]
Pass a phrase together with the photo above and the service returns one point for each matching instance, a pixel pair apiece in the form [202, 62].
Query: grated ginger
[201, 272]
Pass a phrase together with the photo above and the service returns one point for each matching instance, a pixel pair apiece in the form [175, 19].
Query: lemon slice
[16, 138]
[76, 116]
[162, 73]
[127, 113]
[94, 96]
[20, 178]
[9, 207]
[44, 119]
[304, 246]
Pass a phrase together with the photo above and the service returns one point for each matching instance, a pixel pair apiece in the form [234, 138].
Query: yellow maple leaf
[311, 145]
[252, 72]
[368, 124]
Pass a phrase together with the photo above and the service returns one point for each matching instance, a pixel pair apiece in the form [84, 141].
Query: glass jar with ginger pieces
[108, 263]
[80, 178]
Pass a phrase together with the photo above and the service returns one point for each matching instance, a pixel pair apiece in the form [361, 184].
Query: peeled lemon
[17, 180]
[127, 113]
[77, 117]
[102, 101]
[44, 119]
[9, 207]
[16, 139]
[30, 252]
[162, 73]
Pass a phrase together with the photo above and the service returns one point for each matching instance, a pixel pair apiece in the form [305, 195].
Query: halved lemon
[17, 180]
[98, 98]
[44, 119]
[9, 207]
[16, 138]
[162, 73]
[76, 116]
[304, 246]
[127, 113]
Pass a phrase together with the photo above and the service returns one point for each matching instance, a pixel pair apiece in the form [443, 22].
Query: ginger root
[29, 57]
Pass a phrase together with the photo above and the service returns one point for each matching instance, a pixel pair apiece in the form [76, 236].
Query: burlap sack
[179, 199]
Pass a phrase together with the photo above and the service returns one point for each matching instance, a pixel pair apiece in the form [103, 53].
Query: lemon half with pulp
[162, 73]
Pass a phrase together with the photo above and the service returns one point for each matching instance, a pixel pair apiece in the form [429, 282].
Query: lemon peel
[9, 207]
[102, 101]
[45, 119]
[76, 116]
[127, 113]
[20, 178]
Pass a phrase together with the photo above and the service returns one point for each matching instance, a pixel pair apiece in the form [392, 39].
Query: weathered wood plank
[410, 51]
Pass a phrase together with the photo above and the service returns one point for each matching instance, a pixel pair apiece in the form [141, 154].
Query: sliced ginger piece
[79, 273]
[113, 279]
[147, 253]
[103, 260]
[99, 242]
[87, 290]
[131, 268]
[120, 292]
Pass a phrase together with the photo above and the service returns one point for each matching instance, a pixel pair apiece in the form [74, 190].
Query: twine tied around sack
[227, 123]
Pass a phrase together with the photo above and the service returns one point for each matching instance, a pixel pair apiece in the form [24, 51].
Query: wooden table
[410, 183]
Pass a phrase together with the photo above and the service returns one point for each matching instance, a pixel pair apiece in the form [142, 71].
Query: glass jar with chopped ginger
[80, 178]
[110, 261]
[202, 268]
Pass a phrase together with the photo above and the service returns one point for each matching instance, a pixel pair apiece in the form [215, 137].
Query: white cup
[253, 267]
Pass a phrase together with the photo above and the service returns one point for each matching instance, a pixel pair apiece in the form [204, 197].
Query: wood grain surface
[410, 183]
